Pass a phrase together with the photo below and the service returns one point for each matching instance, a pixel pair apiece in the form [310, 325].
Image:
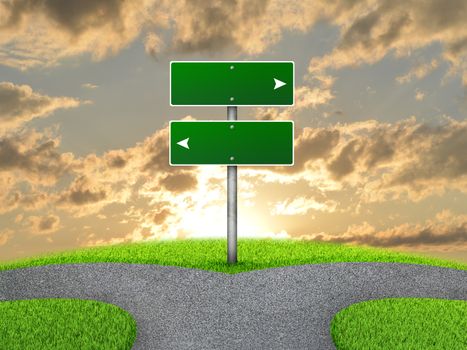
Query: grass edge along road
[64, 324]
[401, 323]
[254, 254]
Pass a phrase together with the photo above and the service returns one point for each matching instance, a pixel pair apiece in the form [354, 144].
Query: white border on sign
[232, 121]
[225, 105]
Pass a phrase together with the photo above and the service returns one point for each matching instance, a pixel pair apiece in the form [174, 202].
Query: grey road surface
[280, 308]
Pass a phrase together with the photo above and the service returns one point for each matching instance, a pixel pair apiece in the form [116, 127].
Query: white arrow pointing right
[184, 143]
[278, 83]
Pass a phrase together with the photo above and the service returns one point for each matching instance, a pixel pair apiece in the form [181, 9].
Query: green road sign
[231, 83]
[231, 143]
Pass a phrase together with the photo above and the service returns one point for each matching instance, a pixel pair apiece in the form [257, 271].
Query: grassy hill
[211, 255]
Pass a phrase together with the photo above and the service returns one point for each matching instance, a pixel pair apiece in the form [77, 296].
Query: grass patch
[253, 254]
[64, 324]
[402, 323]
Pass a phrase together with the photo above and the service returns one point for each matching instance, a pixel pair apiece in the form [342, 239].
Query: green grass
[64, 324]
[405, 323]
[211, 255]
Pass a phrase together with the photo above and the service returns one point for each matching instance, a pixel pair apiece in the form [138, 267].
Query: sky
[380, 123]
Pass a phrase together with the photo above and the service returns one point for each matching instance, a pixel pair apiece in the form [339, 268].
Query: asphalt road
[280, 308]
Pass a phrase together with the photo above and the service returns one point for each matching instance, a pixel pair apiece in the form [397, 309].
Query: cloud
[20, 104]
[301, 206]
[11, 200]
[179, 182]
[84, 196]
[29, 162]
[391, 159]
[156, 152]
[222, 25]
[433, 233]
[43, 33]
[34, 156]
[305, 97]
[312, 144]
[5, 236]
[161, 216]
[89, 86]
[439, 159]
[213, 26]
[419, 71]
[40, 33]
[400, 27]
[153, 44]
[381, 161]
[344, 163]
[116, 159]
[419, 95]
[43, 224]
[445, 149]
[123, 175]
[7, 183]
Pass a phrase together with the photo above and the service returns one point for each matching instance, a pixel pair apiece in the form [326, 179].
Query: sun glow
[202, 212]
[211, 222]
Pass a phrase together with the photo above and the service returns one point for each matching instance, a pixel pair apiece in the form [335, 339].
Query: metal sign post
[231, 142]
[232, 201]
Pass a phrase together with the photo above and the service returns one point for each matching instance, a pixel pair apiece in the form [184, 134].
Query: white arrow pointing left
[184, 143]
[278, 83]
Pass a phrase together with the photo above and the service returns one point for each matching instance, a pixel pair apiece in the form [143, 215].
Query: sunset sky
[380, 123]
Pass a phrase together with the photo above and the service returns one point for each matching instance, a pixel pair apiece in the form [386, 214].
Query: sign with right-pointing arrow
[221, 83]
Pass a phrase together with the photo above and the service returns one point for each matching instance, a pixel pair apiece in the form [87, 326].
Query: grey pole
[231, 201]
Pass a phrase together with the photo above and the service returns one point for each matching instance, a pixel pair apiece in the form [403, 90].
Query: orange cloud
[380, 161]
[5, 236]
[20, 104]
[84, 196]
[41, 33]
[179, 182]
[34, 157]
[44, 32]
[383, 27]
[301, 206]
[305, 97]
[436, 233]
[89, 86]
[43, 224]
[11, 200]
[153, 44]
[419, 71]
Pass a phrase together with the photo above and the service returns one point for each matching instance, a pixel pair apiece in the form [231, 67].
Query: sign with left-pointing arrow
[184, 143]
[233, 83]
[231, 142]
